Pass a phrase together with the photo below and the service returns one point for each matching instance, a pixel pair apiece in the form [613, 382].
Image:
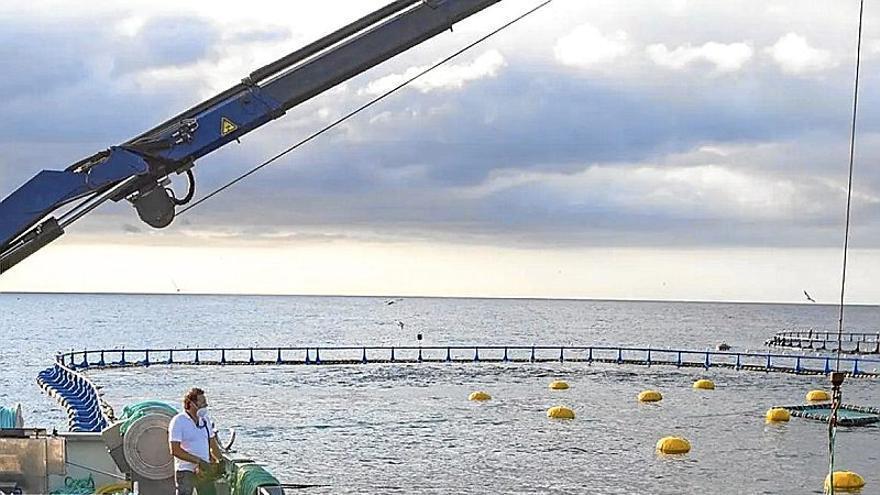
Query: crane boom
[138, 169]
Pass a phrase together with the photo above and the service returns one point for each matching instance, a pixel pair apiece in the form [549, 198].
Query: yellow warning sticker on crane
[227, 126]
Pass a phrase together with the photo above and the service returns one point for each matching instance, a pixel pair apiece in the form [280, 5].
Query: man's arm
[216, 451]
[177, 451]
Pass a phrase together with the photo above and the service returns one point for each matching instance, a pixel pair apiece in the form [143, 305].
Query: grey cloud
[60, 87]
[166, 41]
[266, 35]
[521, 122]
[40, 57]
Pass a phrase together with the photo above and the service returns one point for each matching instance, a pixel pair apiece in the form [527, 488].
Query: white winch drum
[145, 445]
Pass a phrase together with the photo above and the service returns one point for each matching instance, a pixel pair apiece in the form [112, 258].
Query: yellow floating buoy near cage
[479, 396]
[704, 384]
[845, 480]
[560, 412]
[650, 396]
[818, 395]
[673, 445]
[558, 385]
[777, 414]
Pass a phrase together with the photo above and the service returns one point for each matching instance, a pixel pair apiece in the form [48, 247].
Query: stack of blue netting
[76, 395]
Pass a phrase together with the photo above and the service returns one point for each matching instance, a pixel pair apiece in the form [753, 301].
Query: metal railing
[850, 342]
[352, 355]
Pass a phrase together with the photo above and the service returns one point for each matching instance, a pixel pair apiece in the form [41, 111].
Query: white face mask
[202, 413]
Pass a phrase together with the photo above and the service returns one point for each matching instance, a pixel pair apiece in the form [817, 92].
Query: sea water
[409, 428]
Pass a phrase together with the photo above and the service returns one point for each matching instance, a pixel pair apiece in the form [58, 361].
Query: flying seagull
[808, 297]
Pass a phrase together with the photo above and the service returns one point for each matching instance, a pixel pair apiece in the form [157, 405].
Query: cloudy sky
[604, 149]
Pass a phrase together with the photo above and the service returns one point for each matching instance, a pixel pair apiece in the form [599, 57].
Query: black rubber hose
[189, 194]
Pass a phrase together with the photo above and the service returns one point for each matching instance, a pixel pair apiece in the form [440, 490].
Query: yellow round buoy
[479, 395]
[845, 480]
[777, 414]
[704, 384]
[818, 395]
[558, 385]
[650, 396]
[560, 412]
[673, 445]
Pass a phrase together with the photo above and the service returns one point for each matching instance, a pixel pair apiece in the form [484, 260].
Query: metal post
[147, 358]
[797, 365]
[649, 357]
[590, 356]
[364, 356]
[197, 357]
[317, 355]
[222, 356]
[678, 363]
[85, 363]
[101, 362]
[562, 354]
[170, 356]
[768, 362]
[505, 359]
[278, 358]
[738, 363]
[855, 370]
[251, 360]
[122, 358]
[619, 355]
[476, 354]
[532, 357]
[392, 354]
[708, 364]
[308, 360]
[420, 354]
[448, 355]
[827, 366]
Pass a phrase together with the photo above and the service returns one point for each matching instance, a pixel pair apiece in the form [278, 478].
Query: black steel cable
[364, 107]
[852, 148]
[836, 398]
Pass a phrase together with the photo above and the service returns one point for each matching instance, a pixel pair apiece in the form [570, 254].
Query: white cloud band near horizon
[447, 270]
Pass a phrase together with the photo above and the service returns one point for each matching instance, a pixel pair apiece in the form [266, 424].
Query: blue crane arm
[138, 169]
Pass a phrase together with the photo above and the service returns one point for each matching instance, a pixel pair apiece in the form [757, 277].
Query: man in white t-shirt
[193, 445]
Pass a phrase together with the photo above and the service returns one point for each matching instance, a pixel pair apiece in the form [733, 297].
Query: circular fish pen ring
[354, 355]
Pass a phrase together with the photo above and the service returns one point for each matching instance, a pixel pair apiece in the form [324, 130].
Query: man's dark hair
[193, 395]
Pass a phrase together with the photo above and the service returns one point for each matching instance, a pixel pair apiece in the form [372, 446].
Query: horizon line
[397, 296]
